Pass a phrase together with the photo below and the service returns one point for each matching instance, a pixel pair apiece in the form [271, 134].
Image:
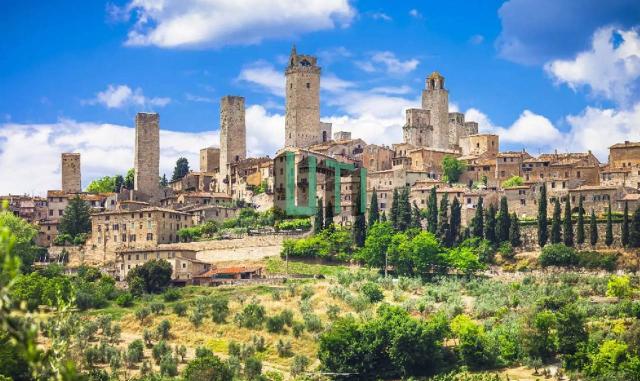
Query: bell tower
[435, 98]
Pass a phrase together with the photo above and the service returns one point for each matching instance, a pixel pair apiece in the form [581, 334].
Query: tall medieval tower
[302, 121]
[233, 133]
[435, 98]
[71, 177]
[147, 153]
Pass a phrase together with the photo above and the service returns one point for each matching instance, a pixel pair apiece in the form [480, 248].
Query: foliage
[593, 229]
[23, 235]
[619, 286]
[464, 259]
[334, 244]
[634, 231]
[452, 168]
[153, 276]
[432, 211]
[374, 211]
[477, 224]
[556, 233]
[512, 182]
[514, 231]
[125, 299]
[557, 255]
[490, 225]
[105, 184]
[129, 179]
[503, 221]
[542, 217]
[580, 236]
[567, 224]
[207, 367]
[252, 316]
[219, 310]
[181, 169]
[76, 218]
[294, 224]
[194, 233]
[372, 292]
[474, 347]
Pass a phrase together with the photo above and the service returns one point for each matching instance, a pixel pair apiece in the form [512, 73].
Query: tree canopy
[452, 168]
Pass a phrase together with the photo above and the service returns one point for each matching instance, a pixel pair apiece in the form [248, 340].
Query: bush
[299, 365]
[252, 316]
[208, 367]
[171, 295]
[163, 329]
[135, 351]
[125, 299]
[142, 314]
[153, 277]
[557, 255]
[156, 308]
[283, 348]
[506, 251]
[168, 366]
[294, 224]
[160, 350]
[596, 260]
[331, 244]
[372, 292]
[180, 309]
[219, 310]
[275, 324]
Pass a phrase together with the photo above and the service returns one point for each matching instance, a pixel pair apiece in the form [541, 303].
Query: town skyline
[597, 105]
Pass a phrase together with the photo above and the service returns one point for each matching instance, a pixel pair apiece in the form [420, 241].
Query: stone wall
[436, 99]
[209, 159]
[233, 133]
[70, 169]
[147, 153]
[529, 236]
[302, 102]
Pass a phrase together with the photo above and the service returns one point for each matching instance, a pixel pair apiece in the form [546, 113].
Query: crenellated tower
[302, 103]
[435, 98]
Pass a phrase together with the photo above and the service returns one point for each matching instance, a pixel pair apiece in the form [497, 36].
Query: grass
[278, 266]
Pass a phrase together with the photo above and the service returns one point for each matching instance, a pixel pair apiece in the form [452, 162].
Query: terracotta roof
[228, 270]
[150, 209]
[593, 187]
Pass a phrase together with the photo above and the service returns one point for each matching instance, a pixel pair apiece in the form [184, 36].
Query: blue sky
[544, 74]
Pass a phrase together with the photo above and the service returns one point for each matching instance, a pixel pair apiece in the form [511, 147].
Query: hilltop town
[146, 218]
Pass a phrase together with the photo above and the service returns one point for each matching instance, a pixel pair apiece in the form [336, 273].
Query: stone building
[147, 153]
[435, 99]
[210, 160]
[377, 158]
[302, 102]
[183, 262]
[479, 145]
[624, 155]
[71, 177]
[233, 136]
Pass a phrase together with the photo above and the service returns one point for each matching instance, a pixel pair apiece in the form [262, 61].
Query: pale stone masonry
[147, 153]
[302, 102]
[233, 134]
[209, 159]
[435, 98]
[71, 176]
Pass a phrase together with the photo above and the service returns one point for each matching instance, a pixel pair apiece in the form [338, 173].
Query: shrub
[297, 328]
[153, 276]
[196, 316]
[219, 310]
[287, 317]
[372, 292]
[171, 295]
[163, 329]
[168, 366]
[125, 299]
[180, 309]
[252, 316]
[160, 350]
[142, 314]
[312, 323]
[506, 251]
[252, 368]
[207, 368]
[557, 255]
[135, 351]
[156, 308]
[258, 343]
[294, 224]
[283, 348]
[333, 311]
[595, 260]
[299, 365]
[275, 324]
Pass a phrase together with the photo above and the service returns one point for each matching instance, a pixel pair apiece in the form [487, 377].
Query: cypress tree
[163, 181]
[543, 233]
[455, 220]
[514, 231]
[318, 222]
[477, 225]
[416, 217]
[608, 237]
[76, 218]
[404, 210]
[593, 229]
[490, 224]
[328, 216]
[383, 217]
[359, 227]
[567, 225]
[556, 234]
[432, 211]
[181, 169]
[444, 231]
[374, 212]
[394, 209]
[625, 225]
[580, 226]
[503, 221]
[634, 231]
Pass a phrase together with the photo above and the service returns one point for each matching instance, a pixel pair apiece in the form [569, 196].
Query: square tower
[302, 102]
[147, 153]
[417, 130]
[209, 159]
[71, 177]
[233, 133]
[435, 98]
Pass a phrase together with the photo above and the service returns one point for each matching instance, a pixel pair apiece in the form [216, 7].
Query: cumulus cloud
[120, 96]
[610, 68]
[197, 23]
[537, 31]
[106, 149]
[415, 13]
[388, 62]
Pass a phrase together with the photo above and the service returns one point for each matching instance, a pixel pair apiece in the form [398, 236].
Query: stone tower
[233, 133]
[435, 98]
[209, 159]
[71, 178]
[147, 153]
[302, 103]
[417, 130]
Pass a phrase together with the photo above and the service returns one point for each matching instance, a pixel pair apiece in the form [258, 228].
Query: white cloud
[415, 13]
[388, 62]
[119, 96]
[199, 98]
[381, 16]
[597, 129]
[265, 76]
[195, 23]
[265, 131]
[476, 39]
[610, 68]
[529, 130]
[392, 90]
[333, 84]
[106, 149]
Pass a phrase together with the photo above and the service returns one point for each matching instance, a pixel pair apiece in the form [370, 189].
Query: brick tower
[233, 133]
[147, 153]
[71, 177]
[435, 98]
[302, 103]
